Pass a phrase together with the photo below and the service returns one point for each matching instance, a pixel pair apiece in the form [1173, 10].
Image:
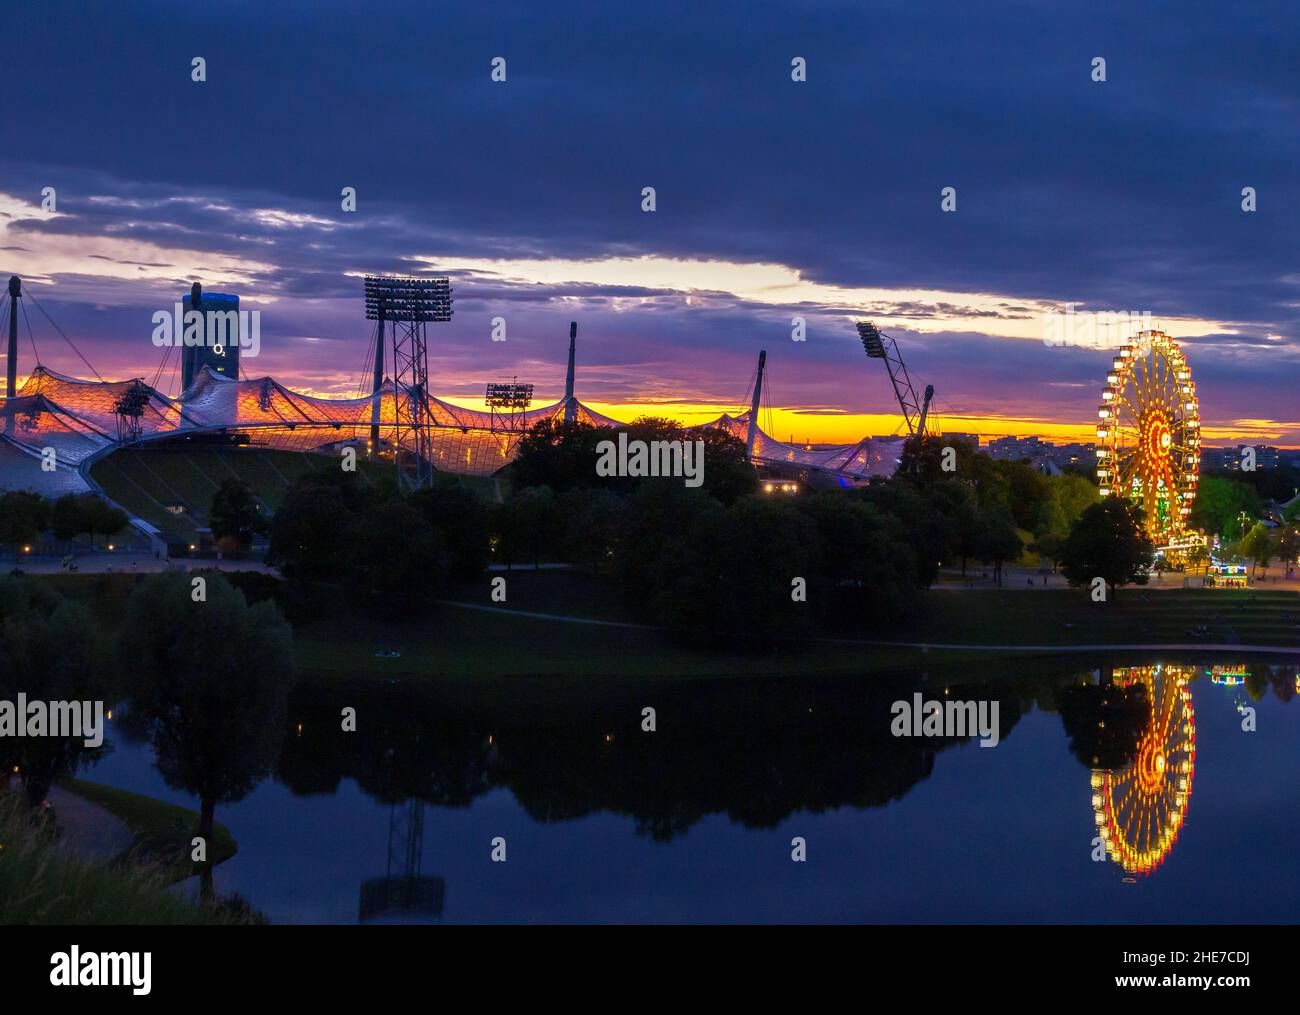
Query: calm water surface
[604, 822]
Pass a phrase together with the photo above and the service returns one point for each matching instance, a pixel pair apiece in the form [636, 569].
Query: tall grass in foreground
[41, 884]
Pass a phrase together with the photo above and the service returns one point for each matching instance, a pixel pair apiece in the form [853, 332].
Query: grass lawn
[161, 829]
[43, 885]
[455, 642]
[1135, 615]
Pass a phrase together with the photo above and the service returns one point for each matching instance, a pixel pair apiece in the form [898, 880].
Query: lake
[693, 822]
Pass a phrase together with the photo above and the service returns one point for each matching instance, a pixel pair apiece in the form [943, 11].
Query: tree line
[734, 555]
[26, 516]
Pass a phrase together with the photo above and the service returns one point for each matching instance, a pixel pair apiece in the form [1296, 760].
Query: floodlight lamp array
[871, 340]
[408, 299]
[509, 396]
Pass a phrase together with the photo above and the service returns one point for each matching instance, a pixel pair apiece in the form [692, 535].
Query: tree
[529, 526]
[1068, 497]
[1288, 545]
[593, 524]
[1048, 543]
[728, 474]
[1258, 546]
[462, 519]
[235, 516]
[396, 552]
[940, 518]
[1105, 722]
[315, 531]
[103, 518]
[866, 571]
[1073, 494]
[558, 455]
[1108, 542]
[48, 651]
[331, 538]
[924, 460]
[1028, 492]
[659, 519]
[1220, 503]
[23, 517]
[731, 572]
[562, 456]
[75, 513]
[998, 540]
[68, 516]
[207, 683]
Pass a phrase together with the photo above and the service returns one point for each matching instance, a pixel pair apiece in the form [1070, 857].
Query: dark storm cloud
[1121, 195]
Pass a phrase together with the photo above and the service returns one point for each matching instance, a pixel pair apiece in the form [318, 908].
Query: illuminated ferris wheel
[1149, 434]
[1140, 809]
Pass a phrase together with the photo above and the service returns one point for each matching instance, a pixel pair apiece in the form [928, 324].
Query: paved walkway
[88, 830]
[1196, 646]
[143, 563]
[925, 646]
[1017, 578]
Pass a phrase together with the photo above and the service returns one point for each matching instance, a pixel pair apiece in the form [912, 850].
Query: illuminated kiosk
[1227, 576]
[1229, 675]
[1139, 809]
[1149, 439]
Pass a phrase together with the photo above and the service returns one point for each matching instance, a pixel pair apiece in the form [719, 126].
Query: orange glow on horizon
[850, 427]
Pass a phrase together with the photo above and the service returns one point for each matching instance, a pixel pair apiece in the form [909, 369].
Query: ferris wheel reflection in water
[1140, 808]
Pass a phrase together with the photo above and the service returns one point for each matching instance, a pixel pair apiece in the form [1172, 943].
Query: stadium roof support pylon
[570, 403]
[11, 366]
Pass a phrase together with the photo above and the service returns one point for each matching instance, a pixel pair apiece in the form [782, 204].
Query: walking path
[925, 646]
[142, 563]
[88, 830]
[1018, 578]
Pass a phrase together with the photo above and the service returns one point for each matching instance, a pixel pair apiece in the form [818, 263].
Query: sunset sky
[775, 198]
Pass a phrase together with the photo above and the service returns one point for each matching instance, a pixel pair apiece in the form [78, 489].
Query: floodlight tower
[880, 346]
[403, 892]
[407, 304]
[507, 404]
[752, 435]
[378, 387]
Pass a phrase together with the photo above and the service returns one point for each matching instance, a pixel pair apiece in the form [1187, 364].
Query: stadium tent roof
[78, 419]
[871, 456]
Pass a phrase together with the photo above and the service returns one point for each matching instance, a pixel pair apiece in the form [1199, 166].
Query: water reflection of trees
[756, 750]
[48, 651]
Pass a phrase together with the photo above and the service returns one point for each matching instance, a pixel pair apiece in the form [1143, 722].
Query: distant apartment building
[1230, 458]
[1015, 448]
[973, 439]
[1045, 456]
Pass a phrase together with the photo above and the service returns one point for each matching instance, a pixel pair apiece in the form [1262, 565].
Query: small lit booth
[1229, 675]
[1226, 576]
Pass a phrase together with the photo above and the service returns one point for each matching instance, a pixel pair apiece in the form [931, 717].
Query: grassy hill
[148, 480]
